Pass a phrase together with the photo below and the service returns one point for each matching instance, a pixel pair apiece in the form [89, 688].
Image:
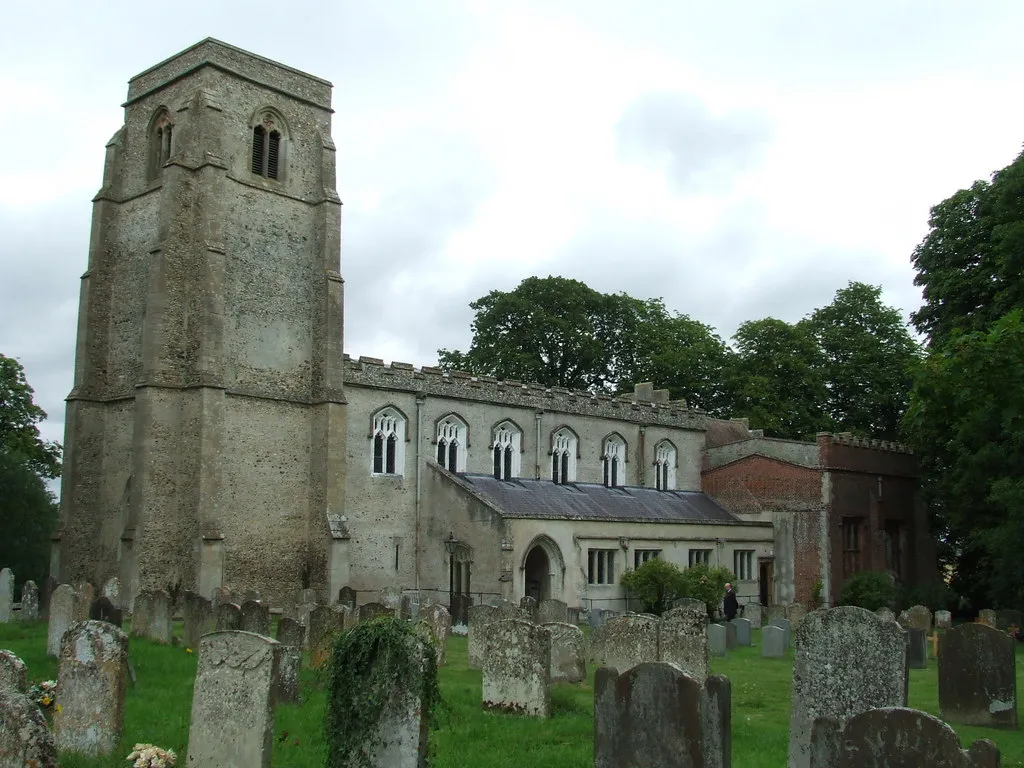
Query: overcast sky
[739, 159]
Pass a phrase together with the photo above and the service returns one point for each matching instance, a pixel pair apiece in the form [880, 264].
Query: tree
[656, 583]
[777, 378]
[19, 417]
[869, 356]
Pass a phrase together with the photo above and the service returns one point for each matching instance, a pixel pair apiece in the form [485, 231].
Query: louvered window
[258, 142]
[266, 152]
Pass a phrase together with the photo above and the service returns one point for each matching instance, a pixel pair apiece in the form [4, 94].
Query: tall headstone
[324, 623]
[773, 642]
[568, 658]
[895, 736]
[517, 668]
[290, 634]
[479, 617]
[440, 623]
[159, 617]
[6, 595]
[255, 617]
[629, 640]
[229, 617]
[13, 672]
[85, 593]
[772, 612]
[29, 602]
[552, 612]
[917, 617]
[25, 739]
[743, 632]
[717, 640]
[731, 636]
[62, 614]
[142, 612]
[683, 641]
[112, 591]
[199, 619]
[943, 620]
[752, 612]
[786, 627]
[656, 716]
[917, 649]
[978, 677]
[529, 604]
[91, 678]
[847, 660]
[233, 701]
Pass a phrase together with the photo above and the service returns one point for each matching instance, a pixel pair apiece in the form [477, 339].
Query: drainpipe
[642, 454]
[419, 441]
[536, 468]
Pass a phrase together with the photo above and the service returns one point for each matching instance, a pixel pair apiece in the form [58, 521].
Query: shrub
[707, 583]
[869, 589]
[656, 584]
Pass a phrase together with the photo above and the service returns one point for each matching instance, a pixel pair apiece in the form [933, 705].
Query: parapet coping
[845, 438]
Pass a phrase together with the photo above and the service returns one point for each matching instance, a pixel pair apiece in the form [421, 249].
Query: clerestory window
[506, 451]
[388, 435]
[614, 460]
[452, 435]
[563, 456]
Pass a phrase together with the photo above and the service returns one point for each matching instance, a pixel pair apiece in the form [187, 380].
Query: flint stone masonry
[629, 640]
[568, 658]
[290, 634]
[847, 660]
[103, 610]
[895, 736]
[233, 702]
[25, 739]
[6, 595]
[479, 617]
[683, 641]
[91, 677]
[917, 617]
[943, 620]
[552, 612]
[978, 677]
[13, 672]
[112, 591]
[199, 619]
[255, 617]
[773, 642]
[29, 602]
[62, 614]
[229, 617]
[655, 716]
[159, 617]
[717, 640]
[440, 623]
[517, 668]
[917, 649]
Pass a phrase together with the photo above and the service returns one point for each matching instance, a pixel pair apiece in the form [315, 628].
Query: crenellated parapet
[847, 439]
[431, 381]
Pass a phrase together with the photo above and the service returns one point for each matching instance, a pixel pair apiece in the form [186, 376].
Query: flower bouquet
[148, 756]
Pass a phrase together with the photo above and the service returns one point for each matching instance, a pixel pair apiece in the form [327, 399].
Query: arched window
[506, 450]
[563, 456]
[388, 436]
[665, 466]
[451, 443]
[614, 459]
[161, 140]
[268, 146]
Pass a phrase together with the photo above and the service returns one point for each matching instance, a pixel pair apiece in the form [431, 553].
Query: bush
[706, 583]
[869, 589]
[656, 584]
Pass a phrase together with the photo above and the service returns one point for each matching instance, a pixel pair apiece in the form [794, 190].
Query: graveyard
[158, 705]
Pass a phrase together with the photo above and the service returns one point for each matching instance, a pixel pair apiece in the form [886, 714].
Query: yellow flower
[59, 708]
[46, 701]
[188, 650]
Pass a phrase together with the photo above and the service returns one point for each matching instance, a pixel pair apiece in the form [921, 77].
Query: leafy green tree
[869, 357]
[656, 583]
[777, 378]
[707, 583]
[869, 589]
[19, 419]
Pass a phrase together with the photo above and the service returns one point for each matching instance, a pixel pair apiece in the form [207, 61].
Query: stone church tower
[205, 433]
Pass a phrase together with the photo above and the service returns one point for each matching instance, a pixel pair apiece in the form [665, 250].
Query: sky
[740, 160]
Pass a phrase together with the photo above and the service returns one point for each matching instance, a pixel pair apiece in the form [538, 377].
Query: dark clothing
[731, 605]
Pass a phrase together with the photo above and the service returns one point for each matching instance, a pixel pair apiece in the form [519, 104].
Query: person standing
[730, 604]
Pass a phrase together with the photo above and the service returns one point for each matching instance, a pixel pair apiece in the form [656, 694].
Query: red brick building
[837, 506]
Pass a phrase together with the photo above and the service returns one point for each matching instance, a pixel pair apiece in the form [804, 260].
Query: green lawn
[158, 707]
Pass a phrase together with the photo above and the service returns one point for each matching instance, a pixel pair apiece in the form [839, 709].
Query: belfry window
[266, 148]
[614, 460]
[665, 466]
[388, 436]
[563, 456]
[161, 142]
[506, 451]
[451, 443]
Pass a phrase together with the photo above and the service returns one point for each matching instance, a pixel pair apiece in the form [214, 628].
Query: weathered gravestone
[629, 640]
[917, 617]
[552, 612]
[112, 591]
[479, 617]
[743, 632]
[369, 611]
[568, 659]
[917, 649]
[885, 613]
[255, 617]
[752, 612]
[405, 608]
[6, 595]
[103, 610]
[290, 634]
[773, 642]
[517, 668]
[847, 660]
[62, 614]
[987, 617]
[692, 604]
[893, 737]
[731, 636]
[221, 595]
[142, 611]
[796, 613]
[49, 585]
[506, 609]
[786, 627]
[29, 601]
[529, 604]
[91, 679]
[978, 677]
[772, 612]
[655, 716]
[683, 641]
[228, 618]
[25, 739]
[13, 672]
[346, 596]
[233, 701]
[1005, 619]
[717, 640]
[199, 619]
[324, 623]
[159, 617]
[440, 623]
[85, 593]
[943, 620]
[390, 597]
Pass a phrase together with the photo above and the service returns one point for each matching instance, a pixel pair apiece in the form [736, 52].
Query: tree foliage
[869, 589]
[19, 419]
[658, 583]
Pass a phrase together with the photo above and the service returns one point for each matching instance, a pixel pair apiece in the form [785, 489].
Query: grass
[158, 707]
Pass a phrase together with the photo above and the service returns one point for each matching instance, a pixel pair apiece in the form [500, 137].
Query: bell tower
[205, 430]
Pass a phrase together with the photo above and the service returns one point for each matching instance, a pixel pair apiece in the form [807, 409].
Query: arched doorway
[543, 570]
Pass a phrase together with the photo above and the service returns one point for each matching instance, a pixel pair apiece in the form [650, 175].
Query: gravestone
[221, 595]
[517, 668]
[629, 640]
[1005, 619]
[508, 610]
[479, 617]
[895, 736]
[752, 612]
[796, 613]
[405, 608]
[917, 649]
[568, 659]
[324, 623]
[917, 617]
[692, 604]
[683, 641]
[529, 604]
[62, 614]
[987, 617]
[847, 660]
[6, 595]
[552, 612]
[772, 612]
[91, 678]
[199, 619]
[233, 701]
[290, 634]
[228, 618]
[142, 611]
[731, 636]
[390, 597]
[943, 620]
[13, 672]
[112, 591]
[786, 627]
[251, 594]
[886, 613]
[25, 739]
[85, 593]
[977, 677]
[656, 716]
[49, 585]
[773, 642]
[159, 617]
[370, 611]
[346, 596]
[440, 623]
[255, 617]
[743, 632]
[29, 602]
[103, 610]
[716, 640]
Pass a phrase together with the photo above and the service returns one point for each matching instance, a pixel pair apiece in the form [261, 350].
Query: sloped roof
[591, 501]
[724, 431]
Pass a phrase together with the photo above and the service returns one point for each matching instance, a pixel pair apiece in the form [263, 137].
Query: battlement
[430, 380]
[847, 439]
